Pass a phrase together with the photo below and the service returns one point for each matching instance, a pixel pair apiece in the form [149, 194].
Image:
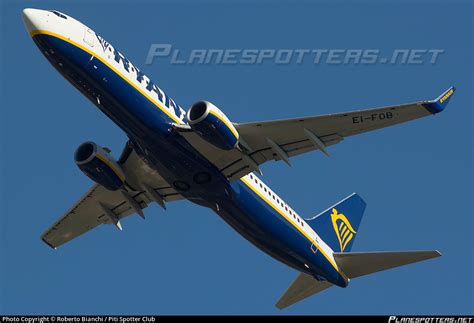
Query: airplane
[200, 155]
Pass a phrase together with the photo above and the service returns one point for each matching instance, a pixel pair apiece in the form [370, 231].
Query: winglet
[440, 103]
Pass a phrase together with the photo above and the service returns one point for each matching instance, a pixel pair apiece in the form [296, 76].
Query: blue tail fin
[339, 224]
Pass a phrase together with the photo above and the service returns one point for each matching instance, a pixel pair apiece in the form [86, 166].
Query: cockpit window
[57, 13]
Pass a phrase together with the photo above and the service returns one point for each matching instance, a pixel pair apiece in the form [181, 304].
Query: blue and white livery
[201, 156]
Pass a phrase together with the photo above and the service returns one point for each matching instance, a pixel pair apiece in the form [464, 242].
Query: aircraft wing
[101, 206]
[282, 139]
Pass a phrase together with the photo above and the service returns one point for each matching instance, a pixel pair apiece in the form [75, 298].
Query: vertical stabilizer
[339, 224]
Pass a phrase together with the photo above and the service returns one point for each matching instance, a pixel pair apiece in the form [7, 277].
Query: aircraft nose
[32, 18]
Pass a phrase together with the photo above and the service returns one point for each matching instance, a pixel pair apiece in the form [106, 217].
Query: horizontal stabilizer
[356, 264]
[302, 287]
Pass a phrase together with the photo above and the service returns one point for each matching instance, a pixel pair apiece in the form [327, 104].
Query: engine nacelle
[98, 165]
[212, 125]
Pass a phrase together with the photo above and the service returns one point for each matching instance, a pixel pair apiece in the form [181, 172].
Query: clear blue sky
[416, 177]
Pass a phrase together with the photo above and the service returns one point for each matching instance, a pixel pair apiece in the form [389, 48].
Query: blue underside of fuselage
[149, 129]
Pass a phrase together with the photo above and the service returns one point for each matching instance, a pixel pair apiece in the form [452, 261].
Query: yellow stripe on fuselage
[156, 103]
[231, 128]
[294, 225]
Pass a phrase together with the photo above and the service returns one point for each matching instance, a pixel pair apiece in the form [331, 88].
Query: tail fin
[338, 225]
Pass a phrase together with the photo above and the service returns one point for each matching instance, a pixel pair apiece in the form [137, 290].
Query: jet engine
[98, 165]
[212, 125]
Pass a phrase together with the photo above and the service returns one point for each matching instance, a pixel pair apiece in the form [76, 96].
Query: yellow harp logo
[343, 228]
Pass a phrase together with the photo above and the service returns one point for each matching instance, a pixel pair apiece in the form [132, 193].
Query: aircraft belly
[190, 173]
[246, 226]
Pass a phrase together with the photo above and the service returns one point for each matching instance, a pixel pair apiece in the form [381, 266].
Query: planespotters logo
[291, 56]
[419, 319]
